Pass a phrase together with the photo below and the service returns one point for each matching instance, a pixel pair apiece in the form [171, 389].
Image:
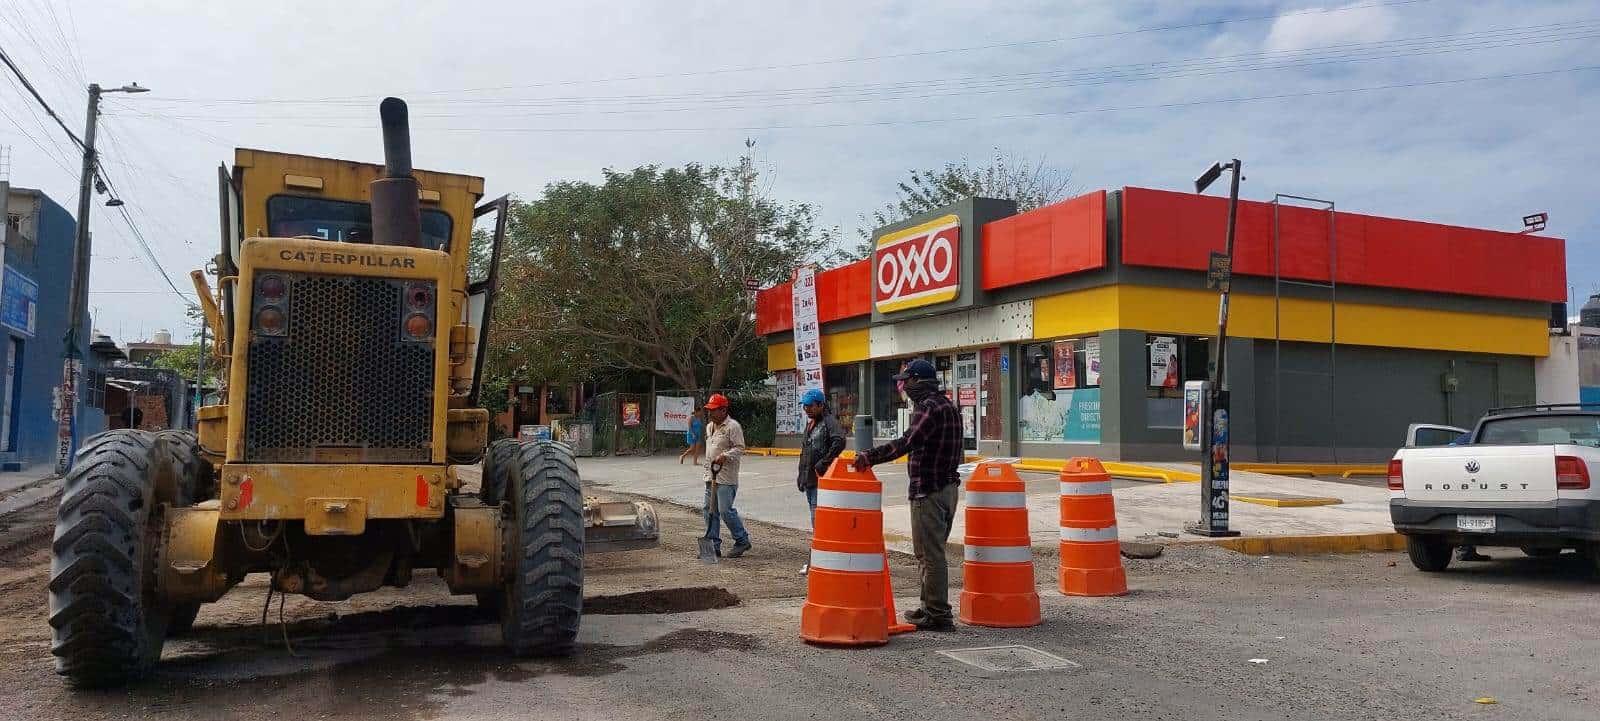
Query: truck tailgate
[1480, 473]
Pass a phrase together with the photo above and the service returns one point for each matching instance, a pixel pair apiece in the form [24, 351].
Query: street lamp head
[114, 203]
[1207, 178]
[133, 88]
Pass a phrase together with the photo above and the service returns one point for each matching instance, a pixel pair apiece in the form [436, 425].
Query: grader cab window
[289, 216]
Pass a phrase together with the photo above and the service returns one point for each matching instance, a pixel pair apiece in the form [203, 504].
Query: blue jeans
[720, 510]
[811, 499]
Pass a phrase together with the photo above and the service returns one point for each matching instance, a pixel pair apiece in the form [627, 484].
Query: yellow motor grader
[353, 339]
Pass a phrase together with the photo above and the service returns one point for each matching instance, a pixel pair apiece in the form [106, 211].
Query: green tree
[644, 272]
[1031, 185]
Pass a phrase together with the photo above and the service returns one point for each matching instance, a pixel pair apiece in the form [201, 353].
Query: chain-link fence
[625, 423]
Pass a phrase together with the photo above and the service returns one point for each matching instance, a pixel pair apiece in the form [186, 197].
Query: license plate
[1476, 524]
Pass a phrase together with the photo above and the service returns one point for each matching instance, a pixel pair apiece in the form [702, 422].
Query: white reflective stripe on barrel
[1085, 488]
[854, 500]
[1069, 533]
[997, 499]
[836, 561]
[999, 554]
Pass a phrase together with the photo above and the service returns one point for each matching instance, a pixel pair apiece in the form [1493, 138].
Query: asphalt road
[1348, 637]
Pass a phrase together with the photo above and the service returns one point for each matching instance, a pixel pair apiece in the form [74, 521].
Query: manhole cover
[1009, 658]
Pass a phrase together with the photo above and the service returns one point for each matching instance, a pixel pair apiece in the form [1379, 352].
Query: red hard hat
[717, 400]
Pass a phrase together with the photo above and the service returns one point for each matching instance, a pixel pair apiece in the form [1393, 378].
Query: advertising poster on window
[1164, 371]
[1066, 416]
[1091, 361]
[1193, 405]
[786, 394]
[969, 422]
[1066, 364]
[672, 412]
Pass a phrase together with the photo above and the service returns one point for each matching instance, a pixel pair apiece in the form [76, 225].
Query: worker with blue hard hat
[824, 442]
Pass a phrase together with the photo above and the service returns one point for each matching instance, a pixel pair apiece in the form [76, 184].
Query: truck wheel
[1429, 554]
[1541, 552]
[544, 599]
[502, 457]
[196, 483]
[107, 624]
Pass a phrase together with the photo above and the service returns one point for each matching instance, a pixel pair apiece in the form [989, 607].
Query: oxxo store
[1071, 329]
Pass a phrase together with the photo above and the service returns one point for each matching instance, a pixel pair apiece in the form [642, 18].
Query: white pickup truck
[1520, 478]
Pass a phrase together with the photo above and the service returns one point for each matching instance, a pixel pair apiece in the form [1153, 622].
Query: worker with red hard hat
[724, 439]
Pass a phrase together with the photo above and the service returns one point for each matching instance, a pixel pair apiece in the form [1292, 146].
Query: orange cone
[998, 588]
[1091, 557]
[849, 601]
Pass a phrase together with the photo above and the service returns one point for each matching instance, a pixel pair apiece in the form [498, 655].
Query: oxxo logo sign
[918, 266]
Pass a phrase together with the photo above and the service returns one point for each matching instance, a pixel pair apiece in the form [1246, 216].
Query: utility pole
[200, 378]
[1214, 425]
[72, 357]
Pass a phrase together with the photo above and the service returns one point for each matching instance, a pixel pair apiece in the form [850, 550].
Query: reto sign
[918, 266]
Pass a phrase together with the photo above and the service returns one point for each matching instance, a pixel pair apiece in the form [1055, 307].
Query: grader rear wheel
[544, 598]
[497, 466]
[107, 623]
[196, 483]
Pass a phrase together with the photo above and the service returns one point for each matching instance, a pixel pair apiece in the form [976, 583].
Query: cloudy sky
[1472, 113]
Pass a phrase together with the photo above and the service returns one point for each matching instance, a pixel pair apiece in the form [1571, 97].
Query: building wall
[51, 229]
[1555, 376]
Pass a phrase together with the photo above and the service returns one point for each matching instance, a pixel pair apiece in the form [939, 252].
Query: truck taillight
[1397, 481]
[1572, 474]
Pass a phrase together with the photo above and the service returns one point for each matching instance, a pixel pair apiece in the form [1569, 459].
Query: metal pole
[66, 442]
[200, 376]
[1215, 428]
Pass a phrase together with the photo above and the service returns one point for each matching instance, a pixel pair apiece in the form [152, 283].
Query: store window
[888, 406]
[990, 421]
[1170, 361]
[843, 383]
[1060, 391]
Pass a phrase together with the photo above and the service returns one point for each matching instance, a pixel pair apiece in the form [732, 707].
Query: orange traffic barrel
[998, 588]
[1091, 557]
[849, 601]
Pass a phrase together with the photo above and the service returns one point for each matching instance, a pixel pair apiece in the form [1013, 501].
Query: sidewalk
[1144, 509]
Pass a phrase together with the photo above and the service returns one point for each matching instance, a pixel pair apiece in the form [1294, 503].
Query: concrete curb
[1310, 545]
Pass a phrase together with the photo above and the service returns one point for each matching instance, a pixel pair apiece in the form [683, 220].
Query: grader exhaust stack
[396, 210]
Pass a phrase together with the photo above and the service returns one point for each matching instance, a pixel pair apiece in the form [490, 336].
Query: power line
[891, 56]
[1199, 67]
[18, 72]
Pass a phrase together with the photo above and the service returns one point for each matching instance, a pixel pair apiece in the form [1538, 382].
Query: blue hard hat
[918, 369]
[812, 395]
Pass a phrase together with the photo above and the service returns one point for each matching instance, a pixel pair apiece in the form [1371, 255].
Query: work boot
[739, 549]
[920, 618]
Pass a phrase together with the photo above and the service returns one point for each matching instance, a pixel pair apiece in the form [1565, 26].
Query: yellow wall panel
[846, 347]
[1076, 312]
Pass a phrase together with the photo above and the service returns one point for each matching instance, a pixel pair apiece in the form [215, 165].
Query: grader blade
[611, 526]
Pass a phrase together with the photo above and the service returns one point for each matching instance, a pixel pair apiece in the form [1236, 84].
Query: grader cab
[353, 339]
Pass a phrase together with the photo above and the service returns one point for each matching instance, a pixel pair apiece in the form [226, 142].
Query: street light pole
[72, 358]
[1214, 425]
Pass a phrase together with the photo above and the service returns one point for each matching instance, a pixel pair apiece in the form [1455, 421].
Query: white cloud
[1306, 28]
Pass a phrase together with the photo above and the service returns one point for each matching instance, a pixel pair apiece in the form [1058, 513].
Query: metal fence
[625, 423]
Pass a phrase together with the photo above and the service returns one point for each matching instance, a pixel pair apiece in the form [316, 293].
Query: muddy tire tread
[546, 594]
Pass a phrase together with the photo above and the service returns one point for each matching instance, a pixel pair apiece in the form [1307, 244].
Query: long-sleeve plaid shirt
[934, 442]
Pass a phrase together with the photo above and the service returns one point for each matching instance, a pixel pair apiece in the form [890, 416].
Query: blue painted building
[39, 234]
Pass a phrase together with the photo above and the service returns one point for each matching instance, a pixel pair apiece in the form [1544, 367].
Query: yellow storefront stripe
[846, 347]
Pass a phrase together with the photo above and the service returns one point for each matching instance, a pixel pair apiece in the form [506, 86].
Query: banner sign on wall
[1067, 416]
[1164, 362]
[1091, 361]
[1066, 365]
[19, 300]
[672, 412]
[787, 397]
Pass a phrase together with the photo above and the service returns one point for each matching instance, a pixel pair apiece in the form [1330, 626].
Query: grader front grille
[342, 382]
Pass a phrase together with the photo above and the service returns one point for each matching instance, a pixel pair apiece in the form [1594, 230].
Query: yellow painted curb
[1299, 502]
[1308, 545]
[1135, 470]
[1274, 469]
[1345, 470]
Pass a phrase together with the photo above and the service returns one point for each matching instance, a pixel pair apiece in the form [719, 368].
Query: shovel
[708, 547]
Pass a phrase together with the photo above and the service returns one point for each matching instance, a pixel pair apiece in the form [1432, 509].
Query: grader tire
[501, 458]
[196, 483]
[544, 599]
[107, 626]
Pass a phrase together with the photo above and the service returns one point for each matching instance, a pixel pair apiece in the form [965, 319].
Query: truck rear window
[1581, 430]
[345, 221]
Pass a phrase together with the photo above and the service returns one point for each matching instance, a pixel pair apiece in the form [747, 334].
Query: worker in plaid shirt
[934, 442]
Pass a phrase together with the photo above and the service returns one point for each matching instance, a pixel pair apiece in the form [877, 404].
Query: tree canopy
[1031, 185]
[647, 271]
